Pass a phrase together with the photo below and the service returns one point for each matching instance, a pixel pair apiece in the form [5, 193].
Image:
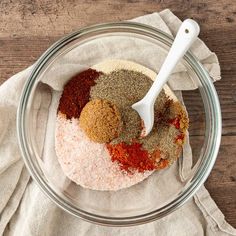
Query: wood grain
[222, 182]
[28, 27]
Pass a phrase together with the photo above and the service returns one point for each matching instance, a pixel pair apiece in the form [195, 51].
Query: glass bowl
[36, 126]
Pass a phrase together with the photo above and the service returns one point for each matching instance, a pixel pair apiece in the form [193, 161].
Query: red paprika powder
[131, 156]
[180, 138]
[175, 122]
[76, 93]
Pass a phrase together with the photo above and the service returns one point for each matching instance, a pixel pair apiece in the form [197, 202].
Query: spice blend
[102, 102]
[88, 163]
[124, 88]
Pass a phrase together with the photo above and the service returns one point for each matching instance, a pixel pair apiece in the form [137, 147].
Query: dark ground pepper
[124, 88]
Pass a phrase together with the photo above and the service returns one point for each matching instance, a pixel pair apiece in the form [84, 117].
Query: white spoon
[185, 37]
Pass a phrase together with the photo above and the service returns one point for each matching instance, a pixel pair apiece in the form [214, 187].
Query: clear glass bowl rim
[201, 174]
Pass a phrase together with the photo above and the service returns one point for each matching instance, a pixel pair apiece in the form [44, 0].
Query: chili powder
[175, 122]
[131, 156]
[76, 93]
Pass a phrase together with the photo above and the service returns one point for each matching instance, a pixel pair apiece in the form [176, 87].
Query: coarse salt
[88, 163]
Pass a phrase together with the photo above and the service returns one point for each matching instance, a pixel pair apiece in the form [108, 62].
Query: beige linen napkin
[25, 210]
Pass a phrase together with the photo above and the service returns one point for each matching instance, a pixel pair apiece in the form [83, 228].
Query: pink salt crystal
[88, 163]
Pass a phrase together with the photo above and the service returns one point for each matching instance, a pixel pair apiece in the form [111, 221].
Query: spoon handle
[186, 35]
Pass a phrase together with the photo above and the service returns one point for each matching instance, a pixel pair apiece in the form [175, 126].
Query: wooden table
[28, 27]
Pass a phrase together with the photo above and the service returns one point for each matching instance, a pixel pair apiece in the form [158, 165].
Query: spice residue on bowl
[102, 117]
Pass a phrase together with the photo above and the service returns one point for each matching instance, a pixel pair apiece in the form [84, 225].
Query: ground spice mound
[181, 120]
[124, 88]
[99, 141]
[76, 93]
[100, 120]
[170, 131]
[131, 157]
[88, 163]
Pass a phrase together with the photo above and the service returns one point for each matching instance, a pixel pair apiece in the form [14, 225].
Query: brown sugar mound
[100, 120]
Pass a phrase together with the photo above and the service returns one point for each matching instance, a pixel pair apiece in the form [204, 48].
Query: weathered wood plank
[35, 17]
[221, 182]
